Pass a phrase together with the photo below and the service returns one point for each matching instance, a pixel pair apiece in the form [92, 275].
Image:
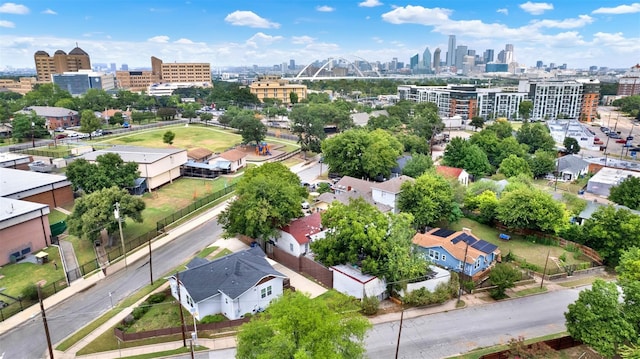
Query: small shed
[351, 281]
[139, 186]
[200, 154]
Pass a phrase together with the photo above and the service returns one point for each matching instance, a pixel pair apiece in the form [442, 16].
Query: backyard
[534, 253]
[14, 278]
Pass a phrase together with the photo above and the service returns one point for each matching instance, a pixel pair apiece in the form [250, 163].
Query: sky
[226, 33]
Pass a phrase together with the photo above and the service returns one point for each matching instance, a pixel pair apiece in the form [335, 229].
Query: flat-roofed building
[16, 161]
[21, 86]
[601, 183]
[78, 83]
[157, 165]
[194, 74]
[49, 189]
[276, 88]
[24, 229]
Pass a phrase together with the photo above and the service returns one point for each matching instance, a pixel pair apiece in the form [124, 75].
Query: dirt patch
[387, 306]
[582, 352]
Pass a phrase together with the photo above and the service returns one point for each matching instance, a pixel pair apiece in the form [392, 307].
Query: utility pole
[544, 271]
[44, 321]
[116, 213]
[150, 265]
[464, 264]
[33, 141]
[184, 329]
[399, 332]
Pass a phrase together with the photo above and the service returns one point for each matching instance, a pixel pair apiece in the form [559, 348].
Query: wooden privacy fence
[555, 344]
[120, 334]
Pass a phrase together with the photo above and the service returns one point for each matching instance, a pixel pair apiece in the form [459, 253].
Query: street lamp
[116, 214]
[33, 141]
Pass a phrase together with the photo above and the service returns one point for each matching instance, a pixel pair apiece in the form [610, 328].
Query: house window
[444, 258]
[460, 265]
[431, 253]
[264, 292]
[477, 264]
[437, 255]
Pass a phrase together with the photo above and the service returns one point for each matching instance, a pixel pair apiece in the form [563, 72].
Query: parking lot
[623, 127]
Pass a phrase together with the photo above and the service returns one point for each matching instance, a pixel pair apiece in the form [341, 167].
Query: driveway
[298, 281]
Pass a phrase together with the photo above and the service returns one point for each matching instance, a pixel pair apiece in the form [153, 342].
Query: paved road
[446, 334]
[28, 340]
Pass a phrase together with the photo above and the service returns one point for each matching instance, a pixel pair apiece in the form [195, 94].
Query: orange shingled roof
[456, 250]
[449, 171]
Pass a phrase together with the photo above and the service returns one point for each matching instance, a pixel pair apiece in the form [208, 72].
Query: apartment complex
[60, 62]
[22, 86]
[576, 99]
[277, 88]
[629, 84]
[197, 74]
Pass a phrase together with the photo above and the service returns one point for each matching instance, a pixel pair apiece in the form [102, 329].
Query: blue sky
[267, 32]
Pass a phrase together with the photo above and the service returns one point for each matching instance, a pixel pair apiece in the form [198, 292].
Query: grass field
[190, 137]
[56, 216]
[16, 277]
[534, 253]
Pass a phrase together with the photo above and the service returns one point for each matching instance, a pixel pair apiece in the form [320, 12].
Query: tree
[268, 198]
[536, 136]
[510, 146]
[571, 145]
[462, 154]
[109, 170]
[89, 122]
[477, 122]
[45, 95]
[501, 128]
[296, 326]
[627, 193]
[168, 137]
[417, 165]
[293, 98]
[117, 118]
[488, 141]
[530, 208]
[503, 276]
[251, 129]
[166, 113]
[524, 110]
[206, 116]
[483, 205]
[189, 113]
[95, 100]
[360, 153]
[542, 162]
[25, 126]
[94, 212]
[597, 320]
[629, 279]
[610, 231]
[513, 166]
[429, 199]
[309, 126]
[379, 243]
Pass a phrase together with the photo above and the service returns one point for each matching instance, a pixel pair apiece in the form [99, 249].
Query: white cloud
[49, 12]
[377, 40]
[261, 38]
[581, 21]
[159, 39]
[301, 40]
[325, 8]
[503, 11]
[12, 8]
[4, 23]
[370, 3]
[536, 8]
[622, 9]
[250, 19]
[183, 41]
[417, 15]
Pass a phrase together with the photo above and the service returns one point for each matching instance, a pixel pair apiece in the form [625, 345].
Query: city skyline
[245, 33]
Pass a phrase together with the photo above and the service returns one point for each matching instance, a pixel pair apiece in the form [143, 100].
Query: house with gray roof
[240, 283]
[593, 206]
[54, 116]
[571, 167]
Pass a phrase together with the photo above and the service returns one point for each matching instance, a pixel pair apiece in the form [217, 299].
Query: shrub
[30, 292]
[469, 286]
[563, 257]
[370, 305]
[157, 298]
[503, 276]
[454, 284]
[140, 311]
[214, 318]
[510, 257]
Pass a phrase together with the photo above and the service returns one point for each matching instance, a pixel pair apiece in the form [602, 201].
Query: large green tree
[308, 123]
[268, 198]
[571, 145]
[597, 319]
[94, 212]
[530, 208]
[95, 100]
[536, 136]
[503, 276]
[524, 109]
[295, 326]
[379, 243]
[513, 166]
[483, 205]
[463, 154]
[26, 126]
[109, 170]
[611, 231]
[89, 122]
[429, 199]
[417, 165]
[251, 128]
[627, 193]
[360, 153]
[629, 279]
[542, 162]
[45, 95]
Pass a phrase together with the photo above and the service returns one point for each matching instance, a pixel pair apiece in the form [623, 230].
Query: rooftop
[455, 243]
[49, 111]
[393, 185]
[612, 175]
[11, 208]
[14, 182]
[302, 228]
[135, 154]
[449, 171]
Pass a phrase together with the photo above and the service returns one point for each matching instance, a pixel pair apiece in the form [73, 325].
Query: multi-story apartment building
[276, 88]
[590, 99]
[629, 84]
[46, 65]
[183, 73]
[554, 99]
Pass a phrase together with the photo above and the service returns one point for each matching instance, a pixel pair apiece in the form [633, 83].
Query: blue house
[447, 248]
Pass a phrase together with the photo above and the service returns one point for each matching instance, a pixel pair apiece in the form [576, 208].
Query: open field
[534, 253]
[16, 277]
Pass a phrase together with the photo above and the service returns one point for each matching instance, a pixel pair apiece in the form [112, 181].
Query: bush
[469, 286]
[30, 292]
[140, 311]
[215, 318]
[157, 298]
[370, 305]
[563, 257]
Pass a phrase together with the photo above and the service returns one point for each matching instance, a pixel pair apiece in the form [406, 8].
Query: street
[28, 340]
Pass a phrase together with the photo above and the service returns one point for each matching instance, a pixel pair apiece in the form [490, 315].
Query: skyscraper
[488, 56]
[436, 59]
[451, 51]
[461, 52]
[292, 64]
[414, 62]
[60, 62]
[509, 55]
[426, 59]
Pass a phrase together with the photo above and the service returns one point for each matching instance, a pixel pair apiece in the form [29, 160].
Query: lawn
[534, 253]
[16, 277]
[190, 137]
[56, 216]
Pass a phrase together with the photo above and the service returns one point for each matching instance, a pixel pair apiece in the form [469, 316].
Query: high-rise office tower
[436, 59]
[451, 51]
[426, 59]
[461, 52]
[292, 64]
[502, 57]
[471, 53]
[112, 67]
[414, 62]
[488, 56]
[509, 55]
[539, 64]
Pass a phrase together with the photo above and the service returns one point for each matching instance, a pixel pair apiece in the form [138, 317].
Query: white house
[240, 283]
[388, 192]
[453, 172]
[231, 160]
[571, 167]
[435, 277]
[296, 237]
[351, 281]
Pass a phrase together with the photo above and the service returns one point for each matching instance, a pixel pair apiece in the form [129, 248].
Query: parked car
[59, 129]
[621, 140]
[604, 129]
[107, 132]
[613, 135]
[61, 136]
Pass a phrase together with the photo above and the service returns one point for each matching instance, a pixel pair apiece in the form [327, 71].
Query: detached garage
[351, 281]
